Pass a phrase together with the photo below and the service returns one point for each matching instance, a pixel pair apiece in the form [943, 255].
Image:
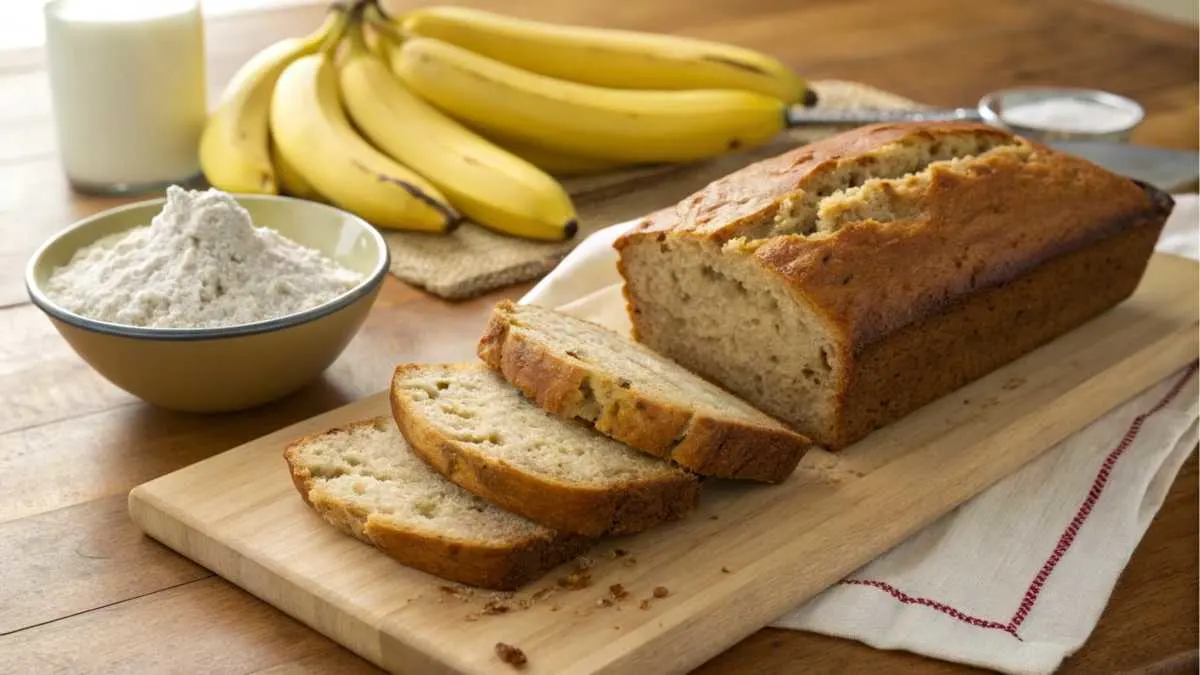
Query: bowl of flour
[207, 302]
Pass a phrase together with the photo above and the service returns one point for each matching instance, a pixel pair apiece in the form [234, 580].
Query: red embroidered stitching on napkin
[942, 607]
[1064, 541]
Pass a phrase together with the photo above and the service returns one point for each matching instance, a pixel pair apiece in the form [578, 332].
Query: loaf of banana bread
[846, 283]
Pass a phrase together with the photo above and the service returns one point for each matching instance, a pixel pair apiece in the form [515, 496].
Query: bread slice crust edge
[464, 561]
[592, 512]
[702, 443]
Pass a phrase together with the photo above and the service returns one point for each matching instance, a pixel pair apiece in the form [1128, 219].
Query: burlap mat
[472, 260]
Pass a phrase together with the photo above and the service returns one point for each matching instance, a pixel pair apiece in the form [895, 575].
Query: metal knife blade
[1164, 168]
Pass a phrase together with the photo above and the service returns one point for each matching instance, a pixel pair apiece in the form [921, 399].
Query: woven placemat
[472, 260]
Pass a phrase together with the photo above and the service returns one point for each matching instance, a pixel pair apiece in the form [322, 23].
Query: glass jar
[127, 79]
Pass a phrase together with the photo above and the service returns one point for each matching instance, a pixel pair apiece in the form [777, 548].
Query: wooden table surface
[82, 590]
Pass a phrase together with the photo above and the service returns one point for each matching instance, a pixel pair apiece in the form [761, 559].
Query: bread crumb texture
[366, 469]
[511, 655]
[477, 408]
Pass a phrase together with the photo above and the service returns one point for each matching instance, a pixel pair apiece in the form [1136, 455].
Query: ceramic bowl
[227, 368]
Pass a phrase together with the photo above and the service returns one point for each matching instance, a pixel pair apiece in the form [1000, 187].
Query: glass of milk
[127, 78]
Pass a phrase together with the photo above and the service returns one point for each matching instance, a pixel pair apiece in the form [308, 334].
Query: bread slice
[580, 370]
[363, 479]
[481, 433]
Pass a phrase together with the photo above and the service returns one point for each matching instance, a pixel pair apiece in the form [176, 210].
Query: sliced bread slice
[363, 479]
[577, 369]
[481, 433]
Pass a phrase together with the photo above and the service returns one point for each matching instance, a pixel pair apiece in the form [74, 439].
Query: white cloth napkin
[1014, 580]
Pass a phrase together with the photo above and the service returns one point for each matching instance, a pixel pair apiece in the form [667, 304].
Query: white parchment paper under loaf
[472, 260]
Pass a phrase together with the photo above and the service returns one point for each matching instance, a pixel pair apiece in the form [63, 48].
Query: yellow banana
[289, 180]
[234, 148]
[314, 136]
[556, 163]
[607, 58]
[490, 186]
[622, 125]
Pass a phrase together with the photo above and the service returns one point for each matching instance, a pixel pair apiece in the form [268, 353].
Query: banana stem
[383, 25]
[355, 39]
[334, 38]
[377, 7]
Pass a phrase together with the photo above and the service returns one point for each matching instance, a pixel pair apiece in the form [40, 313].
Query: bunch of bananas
[446, 112]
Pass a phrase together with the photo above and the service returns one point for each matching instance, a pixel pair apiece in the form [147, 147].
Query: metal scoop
[991, 109]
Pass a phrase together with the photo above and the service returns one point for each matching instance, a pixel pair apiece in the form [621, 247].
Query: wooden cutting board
[748, 555]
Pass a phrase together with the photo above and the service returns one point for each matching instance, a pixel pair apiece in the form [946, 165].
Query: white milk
[127, 78]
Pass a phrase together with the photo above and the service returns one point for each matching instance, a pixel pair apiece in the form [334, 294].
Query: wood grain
[45, 390]
[768, 550]
[93, 554]
[217, 628]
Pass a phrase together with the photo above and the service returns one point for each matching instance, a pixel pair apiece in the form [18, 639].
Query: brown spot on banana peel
[453, 218]
[808, 99]
[734, 63]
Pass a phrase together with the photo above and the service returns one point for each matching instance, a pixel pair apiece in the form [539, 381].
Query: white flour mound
[201, 263]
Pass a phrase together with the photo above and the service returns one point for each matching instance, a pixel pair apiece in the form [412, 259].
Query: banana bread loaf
[846, 283]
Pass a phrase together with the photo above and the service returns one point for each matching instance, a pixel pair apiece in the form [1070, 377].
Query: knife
[1166, 169]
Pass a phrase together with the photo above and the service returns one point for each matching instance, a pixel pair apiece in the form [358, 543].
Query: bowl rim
[362, 289]
[991, 109]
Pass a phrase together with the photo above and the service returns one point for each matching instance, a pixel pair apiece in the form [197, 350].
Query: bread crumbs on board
[579, 578]
[460, 593]
[511, 655]
[576, 581]
[494, 607]
[506, 602]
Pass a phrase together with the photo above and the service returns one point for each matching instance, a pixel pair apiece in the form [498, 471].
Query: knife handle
[797, 116]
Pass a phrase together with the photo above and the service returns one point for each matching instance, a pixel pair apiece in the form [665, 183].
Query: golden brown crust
[468, 562]
[882, 289]
[706, 445]
[974, 231]
[501, 569]
[633, 507]
[941, 353]
[1002, 218]
[754, 194]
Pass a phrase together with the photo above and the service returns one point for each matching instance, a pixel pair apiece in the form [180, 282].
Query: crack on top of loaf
[863, 187]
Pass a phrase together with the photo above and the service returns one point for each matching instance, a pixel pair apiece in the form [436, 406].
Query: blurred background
[21, 20]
